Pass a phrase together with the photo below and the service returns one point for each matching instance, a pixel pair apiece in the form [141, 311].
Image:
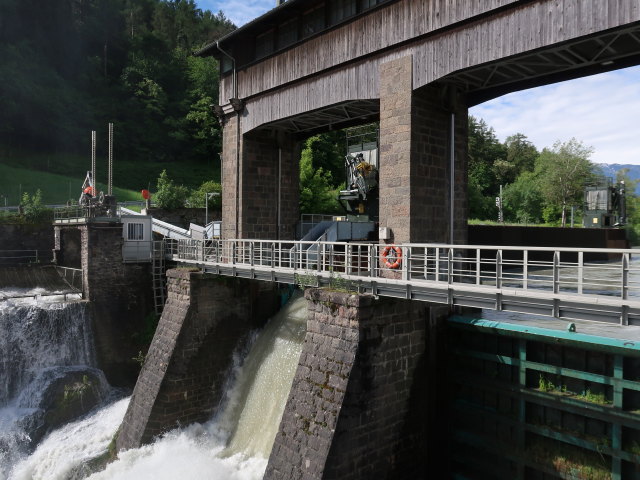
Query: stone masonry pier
[360, 401]
[205, 320]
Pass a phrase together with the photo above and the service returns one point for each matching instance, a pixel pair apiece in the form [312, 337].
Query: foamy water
[235, 445]
[68, 447]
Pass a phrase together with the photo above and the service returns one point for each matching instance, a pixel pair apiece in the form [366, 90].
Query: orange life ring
[398, 259]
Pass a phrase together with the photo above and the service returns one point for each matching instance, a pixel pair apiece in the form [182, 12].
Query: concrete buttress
[205, 320]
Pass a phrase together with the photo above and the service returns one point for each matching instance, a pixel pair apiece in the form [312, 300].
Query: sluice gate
[528, 402]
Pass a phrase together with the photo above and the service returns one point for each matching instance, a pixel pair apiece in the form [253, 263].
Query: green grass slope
[60, 176]
[55, 188]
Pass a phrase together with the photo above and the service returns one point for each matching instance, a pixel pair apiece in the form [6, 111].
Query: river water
[233, 445]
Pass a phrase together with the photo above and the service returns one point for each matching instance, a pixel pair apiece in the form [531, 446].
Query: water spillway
[236, 443]
[48, 374]
[233, 445]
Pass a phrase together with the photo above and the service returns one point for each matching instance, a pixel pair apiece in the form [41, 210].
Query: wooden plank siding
[384, 27]
[343, 64]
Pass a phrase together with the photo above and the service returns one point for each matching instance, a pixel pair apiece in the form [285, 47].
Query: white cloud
[238, 11]
[600, 110]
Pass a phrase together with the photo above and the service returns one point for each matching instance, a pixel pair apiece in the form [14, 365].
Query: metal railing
[550, 281]
[73, 276]
[19, 257]
[71, 214]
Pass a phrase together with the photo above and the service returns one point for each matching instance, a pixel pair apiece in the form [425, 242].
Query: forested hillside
[71, 66]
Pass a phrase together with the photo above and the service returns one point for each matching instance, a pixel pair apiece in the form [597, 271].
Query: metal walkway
[576, 284]
[165, 229]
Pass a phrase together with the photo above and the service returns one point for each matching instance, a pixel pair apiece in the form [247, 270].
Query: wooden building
[416, 66]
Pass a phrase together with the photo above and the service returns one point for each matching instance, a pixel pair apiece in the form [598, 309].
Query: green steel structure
[537, 403]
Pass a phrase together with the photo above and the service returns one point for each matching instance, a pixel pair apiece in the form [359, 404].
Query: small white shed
[138, 241]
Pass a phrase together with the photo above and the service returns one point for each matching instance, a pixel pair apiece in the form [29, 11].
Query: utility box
[604, 205]
[138, 242]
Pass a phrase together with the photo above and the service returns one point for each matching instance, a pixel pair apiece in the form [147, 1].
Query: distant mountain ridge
[610, 170]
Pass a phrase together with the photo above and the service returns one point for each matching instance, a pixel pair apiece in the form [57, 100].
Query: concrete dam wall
[32, 277]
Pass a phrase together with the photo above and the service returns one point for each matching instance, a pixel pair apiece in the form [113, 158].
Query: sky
[601, 111]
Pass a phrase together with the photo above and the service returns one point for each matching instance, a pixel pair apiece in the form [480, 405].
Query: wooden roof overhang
[241, 40]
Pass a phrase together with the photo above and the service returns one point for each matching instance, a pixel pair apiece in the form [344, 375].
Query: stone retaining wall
[121, 298]
[28, 237]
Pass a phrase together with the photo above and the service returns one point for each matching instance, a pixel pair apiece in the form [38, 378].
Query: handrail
[159, 226]
[9, 257]
[73, 276]
[512, 275]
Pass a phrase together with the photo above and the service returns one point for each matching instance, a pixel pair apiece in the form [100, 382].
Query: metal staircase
[158, 271]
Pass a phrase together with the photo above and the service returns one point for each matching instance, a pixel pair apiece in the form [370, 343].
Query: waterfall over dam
[233, 445]
[48, 372]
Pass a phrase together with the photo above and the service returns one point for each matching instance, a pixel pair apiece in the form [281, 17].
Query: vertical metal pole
[556, 272]
[522, 407]
[500, 207]
[580, 271]
[93, 161]
[406, 268]
[573, 207]
[279, 205]
[616, 427]
[110, 179]
[625, 276]
[452, 177]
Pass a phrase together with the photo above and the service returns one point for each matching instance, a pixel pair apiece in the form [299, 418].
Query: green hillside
[55, 188]
[60, 177]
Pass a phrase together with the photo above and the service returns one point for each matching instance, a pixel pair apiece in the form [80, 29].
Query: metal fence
[503, 278]
[73, 276]
[19, 257]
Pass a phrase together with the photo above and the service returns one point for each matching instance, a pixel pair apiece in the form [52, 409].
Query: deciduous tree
[563, 171]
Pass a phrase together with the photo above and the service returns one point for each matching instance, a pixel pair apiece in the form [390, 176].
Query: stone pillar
[415, 151]
[358, 407]
[267, 177]
[205, 320]
[230, 177]
[270, 184]
[121, 297]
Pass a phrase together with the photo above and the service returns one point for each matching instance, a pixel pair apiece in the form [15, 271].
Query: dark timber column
[263, 167]
[415, 157]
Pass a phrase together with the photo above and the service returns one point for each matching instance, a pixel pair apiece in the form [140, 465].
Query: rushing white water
[43, 344]
[38, 335]
[233, 446]
[60, 455]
